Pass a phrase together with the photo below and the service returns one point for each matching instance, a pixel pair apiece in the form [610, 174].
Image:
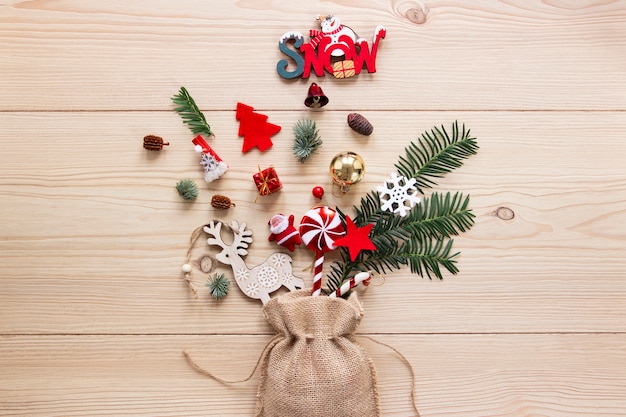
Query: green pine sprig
[218, 286]
[436, 153]
[187, 189]
[191, 114]
[307, 139]
[438, 216]
[421, 239]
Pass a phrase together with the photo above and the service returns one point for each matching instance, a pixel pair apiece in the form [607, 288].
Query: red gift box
[267, 181]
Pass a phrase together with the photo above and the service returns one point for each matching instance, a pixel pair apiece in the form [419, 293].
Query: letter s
[283, 45]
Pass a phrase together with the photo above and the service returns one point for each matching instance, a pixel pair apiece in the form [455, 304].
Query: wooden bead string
[187, 266]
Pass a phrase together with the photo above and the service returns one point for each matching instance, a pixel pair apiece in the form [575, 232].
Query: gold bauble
[347, 168]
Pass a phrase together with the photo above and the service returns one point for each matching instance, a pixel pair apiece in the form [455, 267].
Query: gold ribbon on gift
[267, 180]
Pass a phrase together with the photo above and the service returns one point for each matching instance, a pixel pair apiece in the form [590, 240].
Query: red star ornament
[356, 238]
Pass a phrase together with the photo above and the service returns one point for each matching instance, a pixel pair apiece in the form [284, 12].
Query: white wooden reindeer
[261, 280]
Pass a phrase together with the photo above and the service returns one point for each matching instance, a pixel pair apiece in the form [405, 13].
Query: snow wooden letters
[335, 49]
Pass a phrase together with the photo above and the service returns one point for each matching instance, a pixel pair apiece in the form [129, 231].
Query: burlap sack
[314, 367]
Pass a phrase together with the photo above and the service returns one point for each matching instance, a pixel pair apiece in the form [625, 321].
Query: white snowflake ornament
[213, 165]
[398, 194]
[209, 162]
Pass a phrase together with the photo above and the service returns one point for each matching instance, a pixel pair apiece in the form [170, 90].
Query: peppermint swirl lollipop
[319, 228]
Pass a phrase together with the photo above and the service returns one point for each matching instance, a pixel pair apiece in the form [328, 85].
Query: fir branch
[191, 114]
[339, 272]
[420, 239]
[307, 139]
[436, 154]
[218, 286]
[369, 210]
[438, 216]
[385, 259]
[187, 189]
[425, 257]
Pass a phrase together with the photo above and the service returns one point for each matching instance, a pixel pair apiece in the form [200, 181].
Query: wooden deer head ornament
[261, 280]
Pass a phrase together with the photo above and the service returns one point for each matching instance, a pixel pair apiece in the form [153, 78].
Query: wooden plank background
[94, 313]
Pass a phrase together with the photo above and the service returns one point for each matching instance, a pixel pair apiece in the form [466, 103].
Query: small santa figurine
[283, 231]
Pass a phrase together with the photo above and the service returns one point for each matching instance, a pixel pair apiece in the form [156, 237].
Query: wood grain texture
[487, 55]
[111, 232]
[94, 311]
[456, 375]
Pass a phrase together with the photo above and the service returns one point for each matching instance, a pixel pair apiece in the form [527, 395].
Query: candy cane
[361, 277]
[318, 273]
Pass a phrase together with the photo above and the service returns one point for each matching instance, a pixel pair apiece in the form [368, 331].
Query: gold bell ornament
[346, 169]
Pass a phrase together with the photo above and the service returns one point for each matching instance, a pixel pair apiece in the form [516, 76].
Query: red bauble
[318, 192]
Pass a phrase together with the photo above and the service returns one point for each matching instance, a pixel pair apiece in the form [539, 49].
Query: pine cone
[154, 143]
[221, 202]
[360, 124]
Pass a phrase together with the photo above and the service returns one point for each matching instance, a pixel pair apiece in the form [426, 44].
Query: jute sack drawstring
[406, 363]
[260, 360]
[314, 366]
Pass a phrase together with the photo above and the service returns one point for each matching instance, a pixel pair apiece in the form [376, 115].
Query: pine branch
[436, 154]
[420, 239]
[339, 272]
[218, 286]
[191, 114]
[307, 139]
[187, 189]
[438, 216]
[426, 256]
[369, 211]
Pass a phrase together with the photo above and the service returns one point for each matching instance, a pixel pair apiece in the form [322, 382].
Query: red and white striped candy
[319, 228]
[361, 277]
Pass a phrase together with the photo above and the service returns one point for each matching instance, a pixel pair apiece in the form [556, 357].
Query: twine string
[261, 360]
[195, 235]
[406, 362]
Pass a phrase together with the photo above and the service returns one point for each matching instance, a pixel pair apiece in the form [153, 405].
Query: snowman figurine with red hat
[333, 28]
[283, 231]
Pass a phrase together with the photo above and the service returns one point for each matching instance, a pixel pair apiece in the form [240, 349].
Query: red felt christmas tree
[254, 128]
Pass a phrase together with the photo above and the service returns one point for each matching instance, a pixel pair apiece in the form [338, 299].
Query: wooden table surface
[94, 310]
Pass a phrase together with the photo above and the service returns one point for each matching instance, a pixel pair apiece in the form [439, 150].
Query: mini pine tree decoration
[422, 237]
[218, 286]
[187, 189]
[191, 114]
[307, 139]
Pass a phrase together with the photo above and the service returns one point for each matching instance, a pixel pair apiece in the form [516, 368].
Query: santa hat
[278, 223]
[214, 170]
